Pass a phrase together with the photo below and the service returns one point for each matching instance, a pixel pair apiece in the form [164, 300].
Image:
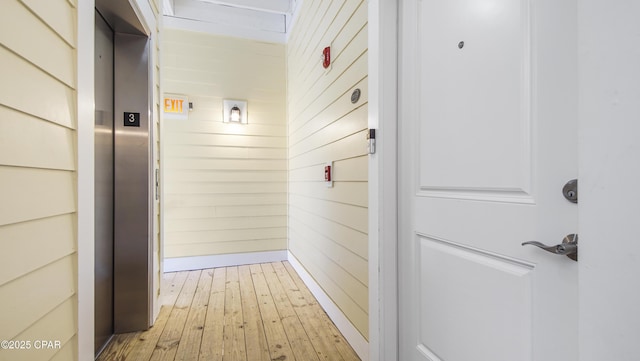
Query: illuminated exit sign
[175, 107]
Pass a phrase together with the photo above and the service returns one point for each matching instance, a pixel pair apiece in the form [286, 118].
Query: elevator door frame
[133, 164]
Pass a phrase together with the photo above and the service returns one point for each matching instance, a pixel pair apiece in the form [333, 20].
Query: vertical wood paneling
[328, 226]
[225, 184]
[38, 271]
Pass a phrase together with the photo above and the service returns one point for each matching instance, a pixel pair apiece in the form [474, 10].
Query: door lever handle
[568, 247]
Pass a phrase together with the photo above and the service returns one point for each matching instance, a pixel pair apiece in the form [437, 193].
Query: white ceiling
[265, 20]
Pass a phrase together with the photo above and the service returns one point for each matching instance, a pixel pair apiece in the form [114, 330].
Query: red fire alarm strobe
[326, 57]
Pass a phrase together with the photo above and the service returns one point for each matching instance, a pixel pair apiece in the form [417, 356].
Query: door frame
[609, 173]
[85, 31]
[383, 177]
[85, 210]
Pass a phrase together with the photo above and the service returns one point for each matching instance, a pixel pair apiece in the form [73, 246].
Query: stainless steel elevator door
[104, 183]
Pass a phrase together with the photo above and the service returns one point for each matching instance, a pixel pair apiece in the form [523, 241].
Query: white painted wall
[225, 185]
[328, 227]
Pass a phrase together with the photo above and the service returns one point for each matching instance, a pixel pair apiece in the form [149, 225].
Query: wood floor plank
[256, 342]
[303, 304]
[172, 334]
[141, 349]
[234, 342]
[172, 288]
[212, 346]
[118, 347]
[298, 338]
[167, 280]
[189, 346]
[247, 313]
[146, 341]
[323, 333]
[347, 352]
[279, 347]
[341, 344]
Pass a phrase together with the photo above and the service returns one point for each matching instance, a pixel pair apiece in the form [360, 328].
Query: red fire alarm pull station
[328, 174]
[326, 57]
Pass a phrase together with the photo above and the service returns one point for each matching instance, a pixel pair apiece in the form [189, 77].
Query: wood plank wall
[328, 226]
[38, 190]
[225, 184]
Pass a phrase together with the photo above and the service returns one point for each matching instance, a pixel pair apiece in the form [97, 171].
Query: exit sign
[175, 107]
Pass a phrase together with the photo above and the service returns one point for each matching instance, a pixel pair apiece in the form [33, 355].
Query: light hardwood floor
[260, 312]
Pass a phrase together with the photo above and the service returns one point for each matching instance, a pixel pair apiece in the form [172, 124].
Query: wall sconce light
[235, 111]
[235, 114]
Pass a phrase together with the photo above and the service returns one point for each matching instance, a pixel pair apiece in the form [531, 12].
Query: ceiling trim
[271, 6]
[168, 8]
[260, 20]
[172, 22]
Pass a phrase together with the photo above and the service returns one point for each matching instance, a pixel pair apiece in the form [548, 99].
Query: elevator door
[104, 183]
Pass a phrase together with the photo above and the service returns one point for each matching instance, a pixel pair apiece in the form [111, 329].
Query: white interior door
[488, 138]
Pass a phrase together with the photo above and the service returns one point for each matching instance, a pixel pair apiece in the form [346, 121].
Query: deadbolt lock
[570, 191]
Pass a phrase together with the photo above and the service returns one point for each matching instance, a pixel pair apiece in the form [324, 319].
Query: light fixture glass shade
[235, 114]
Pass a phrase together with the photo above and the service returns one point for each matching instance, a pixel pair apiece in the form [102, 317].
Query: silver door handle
[568, 247]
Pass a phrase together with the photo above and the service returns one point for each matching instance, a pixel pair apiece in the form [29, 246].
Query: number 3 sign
[131, 119]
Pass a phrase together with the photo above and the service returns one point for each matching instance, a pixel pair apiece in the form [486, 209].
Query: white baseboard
[350, 333]
[223, 260]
